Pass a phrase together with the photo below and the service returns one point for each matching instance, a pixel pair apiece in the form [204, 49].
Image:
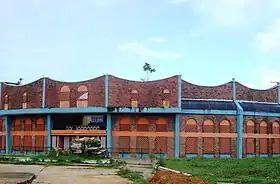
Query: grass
[136, 177]
[245, 171]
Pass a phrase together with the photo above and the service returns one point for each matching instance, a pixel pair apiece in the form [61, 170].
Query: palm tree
[147, 68]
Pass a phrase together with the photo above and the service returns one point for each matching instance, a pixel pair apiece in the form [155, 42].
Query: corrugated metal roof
[208, 104]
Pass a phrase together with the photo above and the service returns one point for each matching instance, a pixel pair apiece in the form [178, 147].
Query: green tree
[148, 68]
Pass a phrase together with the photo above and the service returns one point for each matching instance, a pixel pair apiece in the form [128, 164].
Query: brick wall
[211, 145]
[96, 92]
[190, 90]
[149, 94]
[145, 144]
[15, 95]
[245, 93]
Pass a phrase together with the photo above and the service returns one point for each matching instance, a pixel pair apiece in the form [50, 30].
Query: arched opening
[142, 142]
[263, 141]
[250, 142]
[24, 100]
[82, 100]
[275, 142]
[2, 137]
[225, 143]
[160, 141]
[65, 97]
[191, 142]
[208, 143]
[124, 141]
[6, 102]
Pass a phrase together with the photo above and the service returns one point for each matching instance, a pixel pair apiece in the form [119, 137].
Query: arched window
[165, 101]
[6, 102]
[124, 141]
[134, 101]
[83, 96]
[208, 143]
[275, 142]
[24, 100]
[142, 142]
[161, 142]
[250, 142]
[65, 97]
[191, 142]
[225, 143]
[263, 141]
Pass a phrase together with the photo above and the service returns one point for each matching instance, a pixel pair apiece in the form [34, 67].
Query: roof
[208, 104]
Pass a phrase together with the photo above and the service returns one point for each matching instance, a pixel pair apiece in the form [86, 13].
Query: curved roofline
[75, 81]
[23, 84]
[208, 86]
[268, 89]
[152, 81]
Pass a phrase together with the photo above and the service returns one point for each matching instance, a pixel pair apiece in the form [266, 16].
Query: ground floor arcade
[138, 135]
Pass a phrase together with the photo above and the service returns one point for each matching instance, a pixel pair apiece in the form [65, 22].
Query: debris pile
[88, 146]
[168, 177]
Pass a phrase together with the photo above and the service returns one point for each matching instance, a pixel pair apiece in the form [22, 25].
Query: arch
[40, 124]
[166, 91]
[161, 121]
[191, 122]
[65, 89]
[225, 143]
[263, 141]
[208, 143]
[250, 142]
[191, 142]
[275, 142]
[82, 88]
[64, 96]
[24, 100]
[134, 91]
[6, 102]
[125, 121]
[142, 121]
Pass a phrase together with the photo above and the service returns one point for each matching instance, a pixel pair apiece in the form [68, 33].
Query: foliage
[161, 162]
[248, 170]
[148, 68]
[136, 177]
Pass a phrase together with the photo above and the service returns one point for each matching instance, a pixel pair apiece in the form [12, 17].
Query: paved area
[67, 174]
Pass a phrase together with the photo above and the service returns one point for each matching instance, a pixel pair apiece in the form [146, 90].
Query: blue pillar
[106, 90]
[0, 95]
[179, 91]
[49, 126]
[233, 89]
[177, 136]
[8, 134]
[278, 85]
[109, 133]
[44, 93]
[240, 114]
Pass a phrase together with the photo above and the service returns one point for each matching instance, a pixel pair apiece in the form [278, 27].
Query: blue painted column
[109, 133]
[177, 136]
[240, 134]
[106, 90]
[278, 86]
[49, 130]
[179, 91]
[233, 89]
[8, 134]
[44, 93]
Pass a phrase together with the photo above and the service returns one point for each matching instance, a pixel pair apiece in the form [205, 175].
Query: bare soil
[168, 177]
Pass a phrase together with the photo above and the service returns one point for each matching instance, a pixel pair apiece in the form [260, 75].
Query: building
[167, 117]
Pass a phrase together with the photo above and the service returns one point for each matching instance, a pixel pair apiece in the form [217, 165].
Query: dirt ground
[67, 174]
[167, 177]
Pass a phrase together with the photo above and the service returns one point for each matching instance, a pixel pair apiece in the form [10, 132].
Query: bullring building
[168, 117]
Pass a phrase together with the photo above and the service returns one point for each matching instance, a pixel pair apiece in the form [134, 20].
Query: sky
[208, 42]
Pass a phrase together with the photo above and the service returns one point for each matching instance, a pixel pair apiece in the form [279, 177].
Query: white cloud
[269, 75]
[231, 13]
[141, 50]
[269, 39]
[157, 39]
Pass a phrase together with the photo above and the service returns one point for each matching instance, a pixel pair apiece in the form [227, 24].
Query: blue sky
[208, 42]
